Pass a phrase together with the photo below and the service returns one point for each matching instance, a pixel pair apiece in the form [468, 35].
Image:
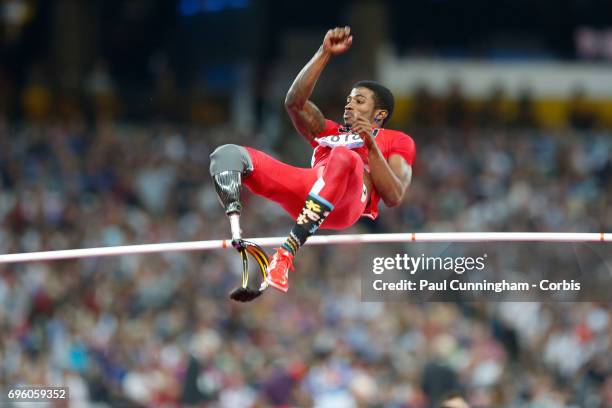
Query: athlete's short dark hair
[383, 98]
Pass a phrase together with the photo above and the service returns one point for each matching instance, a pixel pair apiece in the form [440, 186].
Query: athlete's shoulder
[398, 142]
[397, 133]
[398, 137]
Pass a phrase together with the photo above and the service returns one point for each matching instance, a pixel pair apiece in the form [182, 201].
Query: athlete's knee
[230, 157]
[343, 158]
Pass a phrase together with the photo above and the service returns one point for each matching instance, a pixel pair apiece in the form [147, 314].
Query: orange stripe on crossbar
[601, 237]
[413, 236]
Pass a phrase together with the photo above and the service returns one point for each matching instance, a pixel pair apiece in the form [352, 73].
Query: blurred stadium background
[109, 109]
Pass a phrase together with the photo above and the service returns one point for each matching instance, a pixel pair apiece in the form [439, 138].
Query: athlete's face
[361, 102]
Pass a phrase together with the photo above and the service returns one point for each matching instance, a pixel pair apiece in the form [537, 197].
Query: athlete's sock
[313, 214]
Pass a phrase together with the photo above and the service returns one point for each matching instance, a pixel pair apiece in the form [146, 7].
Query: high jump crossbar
[449, 237]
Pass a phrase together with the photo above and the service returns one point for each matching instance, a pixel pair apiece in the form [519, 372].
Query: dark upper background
[198, 44]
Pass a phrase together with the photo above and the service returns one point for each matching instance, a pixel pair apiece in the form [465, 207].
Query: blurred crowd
[159, 330]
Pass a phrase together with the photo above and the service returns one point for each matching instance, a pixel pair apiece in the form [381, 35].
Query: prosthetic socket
[227, 165]
[229, 185]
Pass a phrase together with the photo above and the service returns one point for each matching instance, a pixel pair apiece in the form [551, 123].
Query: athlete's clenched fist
[337, 40]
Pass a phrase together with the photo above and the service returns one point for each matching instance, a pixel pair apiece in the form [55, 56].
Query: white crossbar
[316, 240]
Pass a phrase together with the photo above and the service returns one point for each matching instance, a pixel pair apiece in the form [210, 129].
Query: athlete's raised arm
[306, 117]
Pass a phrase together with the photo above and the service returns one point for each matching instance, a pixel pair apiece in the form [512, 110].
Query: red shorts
[288, 186]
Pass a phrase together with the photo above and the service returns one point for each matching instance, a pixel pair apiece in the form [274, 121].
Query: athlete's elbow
[393, 203]
[395, 195]
[393, 200]
[292, 102]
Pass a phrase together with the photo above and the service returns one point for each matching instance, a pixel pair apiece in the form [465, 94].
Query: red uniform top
[388, 141]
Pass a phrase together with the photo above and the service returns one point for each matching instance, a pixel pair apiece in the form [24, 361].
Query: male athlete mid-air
[354, 165]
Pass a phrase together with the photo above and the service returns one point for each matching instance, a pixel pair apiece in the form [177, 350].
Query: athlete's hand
[363, 127]
[337, 40]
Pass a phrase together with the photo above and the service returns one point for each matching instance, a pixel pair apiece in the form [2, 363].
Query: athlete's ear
[380, 117]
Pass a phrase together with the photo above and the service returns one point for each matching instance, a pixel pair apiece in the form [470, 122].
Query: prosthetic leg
[228, 164]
